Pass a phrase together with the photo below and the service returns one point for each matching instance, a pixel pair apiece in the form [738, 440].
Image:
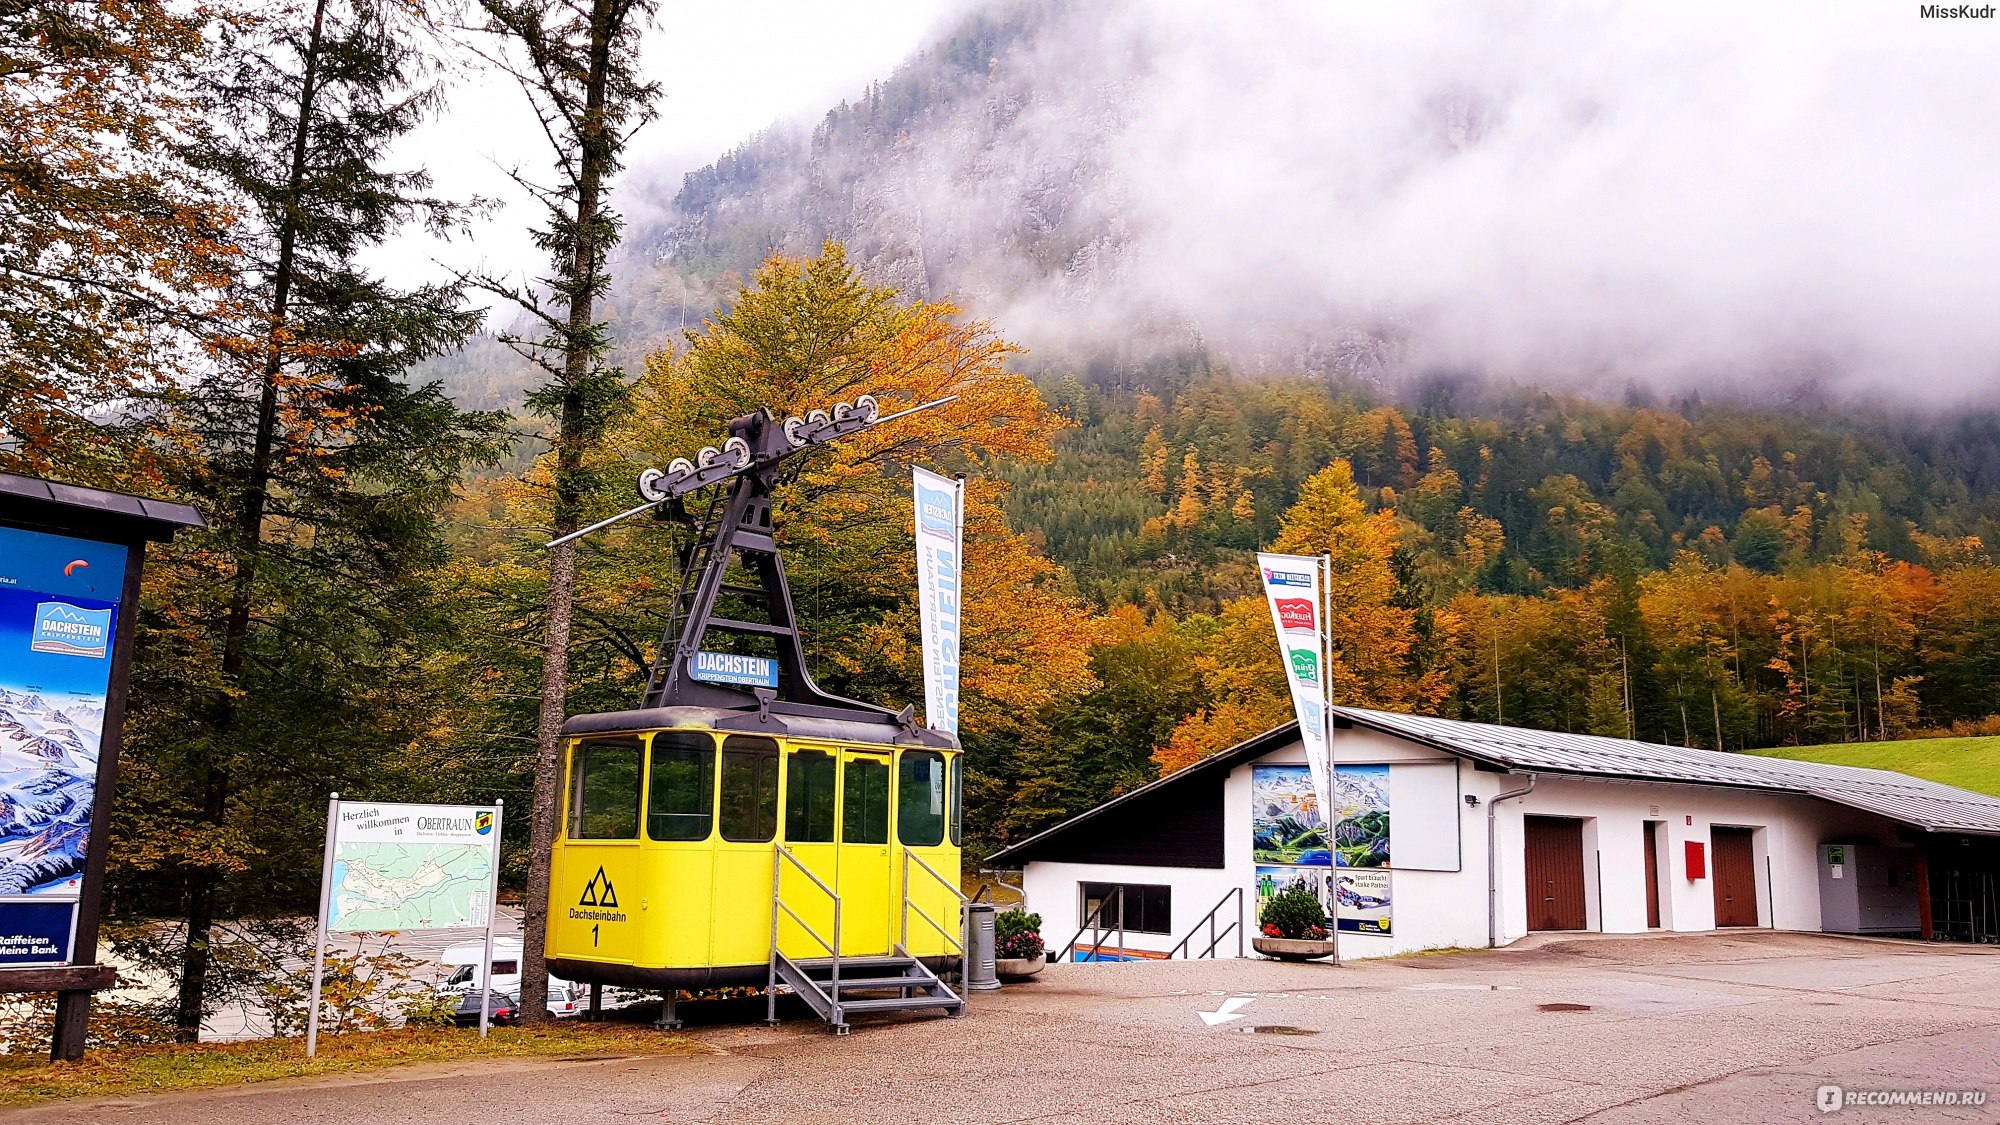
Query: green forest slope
[1968, 763]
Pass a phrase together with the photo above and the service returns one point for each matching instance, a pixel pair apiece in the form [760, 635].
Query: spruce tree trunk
[203, 882]
[595, 161]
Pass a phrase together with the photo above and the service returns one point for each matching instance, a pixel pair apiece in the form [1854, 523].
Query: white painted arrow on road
[1226, 1011]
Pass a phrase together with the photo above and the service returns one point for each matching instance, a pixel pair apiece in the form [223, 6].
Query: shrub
[1294, 913]
[1017, 933]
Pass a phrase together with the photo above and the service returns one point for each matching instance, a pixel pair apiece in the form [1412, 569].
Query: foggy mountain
[1577, 196]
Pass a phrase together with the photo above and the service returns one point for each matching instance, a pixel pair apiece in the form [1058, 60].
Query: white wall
[1437, 909]
[1053, 891]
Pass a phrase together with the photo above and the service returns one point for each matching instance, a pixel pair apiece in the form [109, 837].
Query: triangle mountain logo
[599, 892]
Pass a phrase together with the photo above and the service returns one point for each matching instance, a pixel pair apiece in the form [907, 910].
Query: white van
[566, 998]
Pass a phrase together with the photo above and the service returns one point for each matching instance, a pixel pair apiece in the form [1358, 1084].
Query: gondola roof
[778, 720]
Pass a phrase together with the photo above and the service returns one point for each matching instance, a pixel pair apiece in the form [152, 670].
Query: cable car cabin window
[604, 798]
[809, 798]
[1148, 908]
[920, 800]
[680, 802]
[867, 797]
[749, 789]
[957, 799]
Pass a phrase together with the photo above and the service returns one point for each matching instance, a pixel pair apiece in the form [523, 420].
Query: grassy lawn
[124, 1071]
[1969, 763]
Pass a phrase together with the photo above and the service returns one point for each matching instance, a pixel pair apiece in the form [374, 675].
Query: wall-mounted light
[1471, 800]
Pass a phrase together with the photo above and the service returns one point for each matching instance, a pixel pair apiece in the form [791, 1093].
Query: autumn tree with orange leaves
[112, 248]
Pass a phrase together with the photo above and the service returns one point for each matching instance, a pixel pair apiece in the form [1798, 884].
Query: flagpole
[1326, 728]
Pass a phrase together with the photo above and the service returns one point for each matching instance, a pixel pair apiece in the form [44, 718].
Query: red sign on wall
[1296, 613]
[1697, 860]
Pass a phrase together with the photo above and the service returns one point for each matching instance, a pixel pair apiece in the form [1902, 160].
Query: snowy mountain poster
[58, 616]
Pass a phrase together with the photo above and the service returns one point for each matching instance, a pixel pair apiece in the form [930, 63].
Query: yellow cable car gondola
[744, 827]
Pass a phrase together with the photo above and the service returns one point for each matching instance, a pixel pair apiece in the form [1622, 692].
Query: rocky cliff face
[1368, 190]
[980, 172]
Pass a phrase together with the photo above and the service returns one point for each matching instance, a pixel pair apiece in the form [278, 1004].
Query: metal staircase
[836, 986]
[884, 984]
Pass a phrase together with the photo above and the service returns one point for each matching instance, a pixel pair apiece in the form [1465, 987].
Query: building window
[1147, 907]
[681, 796]
[749, 789]
[604, 791]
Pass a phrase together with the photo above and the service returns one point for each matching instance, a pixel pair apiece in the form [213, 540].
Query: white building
[1465, 834]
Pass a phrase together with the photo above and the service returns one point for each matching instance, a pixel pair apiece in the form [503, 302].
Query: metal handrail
[1094, 922]
[1213, 939]
[963, 942]
[958, 942]
[779, 855]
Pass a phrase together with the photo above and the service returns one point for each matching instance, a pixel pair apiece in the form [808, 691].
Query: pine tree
[322, 470]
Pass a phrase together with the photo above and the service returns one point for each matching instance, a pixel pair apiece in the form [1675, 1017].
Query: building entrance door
[1652, 829]
[1735, 877]
[1555, 873]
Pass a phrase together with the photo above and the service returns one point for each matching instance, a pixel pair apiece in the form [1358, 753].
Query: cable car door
[812, 798]
[865, 878]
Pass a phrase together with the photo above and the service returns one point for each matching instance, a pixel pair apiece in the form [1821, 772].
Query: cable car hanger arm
[713, 466]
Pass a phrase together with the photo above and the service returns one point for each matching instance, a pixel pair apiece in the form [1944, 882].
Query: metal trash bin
[979, 969]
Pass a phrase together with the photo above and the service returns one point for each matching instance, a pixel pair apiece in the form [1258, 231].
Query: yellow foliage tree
[1371, 638]
[807, 333]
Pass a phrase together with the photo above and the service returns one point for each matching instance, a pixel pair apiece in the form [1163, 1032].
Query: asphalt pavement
[1739, 1027]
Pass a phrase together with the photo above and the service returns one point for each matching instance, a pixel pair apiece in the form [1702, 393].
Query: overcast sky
[725, 70]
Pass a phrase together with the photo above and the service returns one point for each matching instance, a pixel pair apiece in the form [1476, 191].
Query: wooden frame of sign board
[49, 507]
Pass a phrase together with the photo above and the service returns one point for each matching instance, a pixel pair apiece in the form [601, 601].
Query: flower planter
[1292, 949]
[1016, 968]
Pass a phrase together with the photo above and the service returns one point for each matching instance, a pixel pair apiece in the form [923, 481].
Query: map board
[405, 867]
[410, 867]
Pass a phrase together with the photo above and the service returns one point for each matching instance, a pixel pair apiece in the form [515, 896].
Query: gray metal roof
[1926, 804]
[782, 719]
[87, 508]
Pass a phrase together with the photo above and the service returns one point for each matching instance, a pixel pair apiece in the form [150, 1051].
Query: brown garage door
[1555, 873]
[1735, 877]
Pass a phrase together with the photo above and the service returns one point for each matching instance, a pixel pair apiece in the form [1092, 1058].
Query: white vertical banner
[940, 523]
[1292, 588]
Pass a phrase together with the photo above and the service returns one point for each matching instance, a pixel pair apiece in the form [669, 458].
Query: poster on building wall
[1362, 900]
[1274, 881]
[58, 610]
[1285, 822]
[1361, 816]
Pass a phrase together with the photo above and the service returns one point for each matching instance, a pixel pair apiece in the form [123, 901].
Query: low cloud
[1573, 194]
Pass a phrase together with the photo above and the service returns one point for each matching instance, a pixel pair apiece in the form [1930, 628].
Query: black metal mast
[738, 527]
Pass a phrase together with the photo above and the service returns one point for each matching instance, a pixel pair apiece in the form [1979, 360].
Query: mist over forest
[1577, 197]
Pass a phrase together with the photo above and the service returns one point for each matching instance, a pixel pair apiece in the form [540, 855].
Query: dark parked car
[501, 1009]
